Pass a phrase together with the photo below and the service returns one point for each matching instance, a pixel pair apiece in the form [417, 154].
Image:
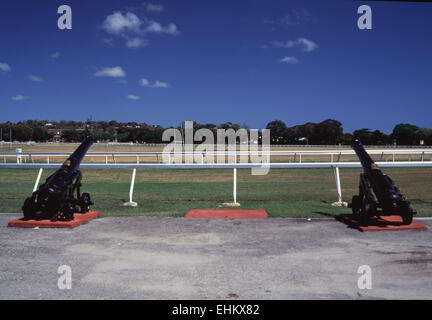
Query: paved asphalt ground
[178, 258]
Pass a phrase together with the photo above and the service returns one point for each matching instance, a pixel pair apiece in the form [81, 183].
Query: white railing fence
[333, 165]
[337, 156]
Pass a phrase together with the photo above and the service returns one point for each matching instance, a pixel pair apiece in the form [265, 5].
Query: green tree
[41, 134]
[74, 135]
[279, 132]
[327, 132]
[22, 132]
[406, 134]
[347, 138]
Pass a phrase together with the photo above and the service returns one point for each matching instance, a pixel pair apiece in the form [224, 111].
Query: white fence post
[338, 185]
[18, 155]
[131, 203]
[37, 179]
[235, 185]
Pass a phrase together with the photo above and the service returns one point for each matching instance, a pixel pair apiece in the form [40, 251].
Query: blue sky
[250, 62]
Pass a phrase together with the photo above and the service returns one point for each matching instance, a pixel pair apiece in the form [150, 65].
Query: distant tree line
[328, 132]
[24, 131]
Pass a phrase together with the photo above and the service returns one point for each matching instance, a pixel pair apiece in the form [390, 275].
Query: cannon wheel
[67, 212]
[85, 202]
[407, 213]
[407, 219]
[29, 208]
[367, 211]
[356, 205]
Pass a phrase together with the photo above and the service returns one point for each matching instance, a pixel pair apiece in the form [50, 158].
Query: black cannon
[55, 198]
[377, 190]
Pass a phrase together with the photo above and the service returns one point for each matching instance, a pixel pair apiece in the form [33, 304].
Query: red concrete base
[226, 214]
[382, 223]
[79, 219]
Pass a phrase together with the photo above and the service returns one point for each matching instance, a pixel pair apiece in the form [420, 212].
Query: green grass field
[169, 192]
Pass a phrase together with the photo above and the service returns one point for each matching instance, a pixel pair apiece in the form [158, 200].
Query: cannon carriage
[55, 199]
[378, 196]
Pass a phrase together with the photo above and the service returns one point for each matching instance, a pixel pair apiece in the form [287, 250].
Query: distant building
[57, 135]
[303, 140]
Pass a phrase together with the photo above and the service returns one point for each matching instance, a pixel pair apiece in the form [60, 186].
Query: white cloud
[118, 23]
[133, 97]
[294, 17]
[157, 84]
[55, 55]
[135, 29]
[156, 27]
[5, 67]
[136, 42]
[19, 97]
[308, 45]
[278, 44]
[289, 60]
[35, 78]
[302, 43]
[172, 29]
[144, 82]
[114, 72]
[154, 7]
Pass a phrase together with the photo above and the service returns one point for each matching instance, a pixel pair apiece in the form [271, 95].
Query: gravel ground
[178, 258]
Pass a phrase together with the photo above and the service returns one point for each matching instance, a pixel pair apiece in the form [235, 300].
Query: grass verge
[297, 193]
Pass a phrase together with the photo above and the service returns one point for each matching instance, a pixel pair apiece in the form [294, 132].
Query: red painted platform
[79, 220]
[383, 223]
[226, 214]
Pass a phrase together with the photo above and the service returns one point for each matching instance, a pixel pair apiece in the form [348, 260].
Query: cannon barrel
[374, 182]
[363, 156]
[382, 185]
[63, 176]
[55, 198]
